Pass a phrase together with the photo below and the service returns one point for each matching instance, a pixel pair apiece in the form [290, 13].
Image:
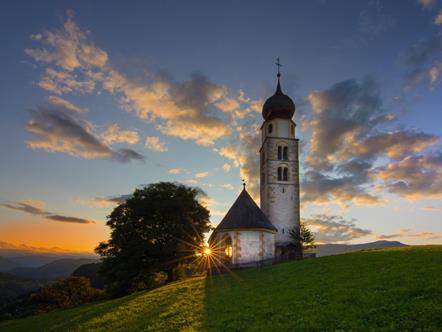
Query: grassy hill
[379, 290]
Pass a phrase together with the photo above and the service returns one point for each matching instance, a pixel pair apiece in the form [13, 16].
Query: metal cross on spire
[278, 64]
[243, 183]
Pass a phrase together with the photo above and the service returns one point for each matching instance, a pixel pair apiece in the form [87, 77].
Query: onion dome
[279, 105]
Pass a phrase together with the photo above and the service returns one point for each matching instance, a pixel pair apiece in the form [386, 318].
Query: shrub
[65, 293]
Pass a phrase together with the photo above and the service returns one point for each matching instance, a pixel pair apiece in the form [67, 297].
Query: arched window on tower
[285, 175]
[279, 173]
[270, 128]
[283, 153]
[292, 128]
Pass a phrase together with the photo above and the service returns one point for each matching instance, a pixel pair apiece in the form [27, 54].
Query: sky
[99, 98]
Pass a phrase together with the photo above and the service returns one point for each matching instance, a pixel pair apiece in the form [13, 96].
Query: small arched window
[292, 129]
[270, 128]
[285, 175]
[285, 153]
[279, 173]
[279, 152]
[228, 249]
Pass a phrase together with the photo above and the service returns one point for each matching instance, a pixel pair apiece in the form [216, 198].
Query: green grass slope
[380, 290]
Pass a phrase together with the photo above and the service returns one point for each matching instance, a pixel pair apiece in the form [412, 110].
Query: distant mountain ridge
[55, 269]
[36, 260]
[333, 249]
[7, 264]
[28, 257]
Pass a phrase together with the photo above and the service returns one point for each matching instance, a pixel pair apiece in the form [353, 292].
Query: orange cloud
[155, 144]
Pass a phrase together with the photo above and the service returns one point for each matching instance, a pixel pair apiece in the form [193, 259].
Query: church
[250, 235]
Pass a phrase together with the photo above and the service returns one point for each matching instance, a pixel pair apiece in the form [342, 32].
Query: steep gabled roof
[244, 213]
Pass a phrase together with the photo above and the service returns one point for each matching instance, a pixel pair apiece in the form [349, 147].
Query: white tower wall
[280, 197]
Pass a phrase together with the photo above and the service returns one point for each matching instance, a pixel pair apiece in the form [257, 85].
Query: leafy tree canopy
[155, 230]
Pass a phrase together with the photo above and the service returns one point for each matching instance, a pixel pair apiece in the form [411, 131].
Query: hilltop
[334, 248]
[386, 289]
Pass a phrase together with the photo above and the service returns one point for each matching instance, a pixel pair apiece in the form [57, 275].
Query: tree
[91, 272]
[65, 293]
[304, 236]
[155, 230]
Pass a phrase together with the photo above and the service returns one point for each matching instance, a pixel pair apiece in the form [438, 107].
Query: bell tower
[279, 166]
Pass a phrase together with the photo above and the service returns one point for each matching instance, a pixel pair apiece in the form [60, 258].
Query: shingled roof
[244, 214]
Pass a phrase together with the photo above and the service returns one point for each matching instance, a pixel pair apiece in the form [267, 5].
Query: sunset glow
[99, 99]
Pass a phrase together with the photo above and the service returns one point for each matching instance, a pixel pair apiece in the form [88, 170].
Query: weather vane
[279, 65]
[243, 183]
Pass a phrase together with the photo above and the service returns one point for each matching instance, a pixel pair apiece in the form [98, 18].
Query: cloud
[333, 228]
[342, 114]
[227, 167]
[24, 247]
[104, 202]
[126, 155]
[347, 139]
[114, 134]
[427, 76]
[24, 207]
[408, 233]
[195, 109]
[205, 199]
[75, 220]
[58, 130]
[438, 19]
[228, 186]
[427, 4]
[64, 104]
[244, 153]
[228, 105]
[343, 117]
[430, 209]
[318, 188]
[61, 82]
[395, 145]
[181, 109]
[67, 48]
[175, 171]
[36, 210]
[155, 144]
[217, 213]
[201, 174]
[424, 62]
[209, 203]
[414, 177]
